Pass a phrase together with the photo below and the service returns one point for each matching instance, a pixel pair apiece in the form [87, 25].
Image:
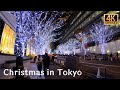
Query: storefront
[7, 40]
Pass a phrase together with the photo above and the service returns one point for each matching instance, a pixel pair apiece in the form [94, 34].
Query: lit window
[108, 51]
[80, 33]
[118, 51]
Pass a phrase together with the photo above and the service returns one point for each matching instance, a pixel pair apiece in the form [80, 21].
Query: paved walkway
[33, 67]
[2, 76]
[30, 67]
[53, 67]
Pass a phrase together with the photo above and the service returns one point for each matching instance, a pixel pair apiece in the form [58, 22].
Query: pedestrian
[39, 64]
[53, 57]
[35, 58]
[95, 57]
[117, 55]
[19, 66]
[111, 57]
[46, 63]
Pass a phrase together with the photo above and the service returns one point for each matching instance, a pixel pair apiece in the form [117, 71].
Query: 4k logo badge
[110, 19]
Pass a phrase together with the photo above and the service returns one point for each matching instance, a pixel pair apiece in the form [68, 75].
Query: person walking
[35, 58]
[19, 66]
[46, 63]
[117, 55]
[53, 57]
[111, 57]
[39, 64]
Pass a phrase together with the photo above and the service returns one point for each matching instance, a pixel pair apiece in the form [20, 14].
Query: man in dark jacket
[111, 57]
[46, 63]
[53, 57]
[39, 64]
[117, 55]
[19, 65]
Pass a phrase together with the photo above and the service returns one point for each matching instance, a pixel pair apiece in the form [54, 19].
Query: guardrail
[93, 69]
[59, 63]
[106, 72]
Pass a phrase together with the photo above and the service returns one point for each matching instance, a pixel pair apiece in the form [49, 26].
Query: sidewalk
[2, 76]
[52, 67]
[32, 66]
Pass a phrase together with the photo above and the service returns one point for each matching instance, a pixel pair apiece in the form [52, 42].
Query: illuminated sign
[110, 19]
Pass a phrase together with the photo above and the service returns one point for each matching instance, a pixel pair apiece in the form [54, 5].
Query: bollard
[98, 73]
[105, 73]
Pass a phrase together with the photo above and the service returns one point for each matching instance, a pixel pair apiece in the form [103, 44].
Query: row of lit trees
[100, 35]
[38, 25]
[68, 47]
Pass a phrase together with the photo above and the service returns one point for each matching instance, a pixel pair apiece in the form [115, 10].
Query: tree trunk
[84, 53]
[102, 48]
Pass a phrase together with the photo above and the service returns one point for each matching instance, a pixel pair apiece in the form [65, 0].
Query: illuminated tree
[38, 25]
[83, 41]
[68, 46]
[101, 34]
